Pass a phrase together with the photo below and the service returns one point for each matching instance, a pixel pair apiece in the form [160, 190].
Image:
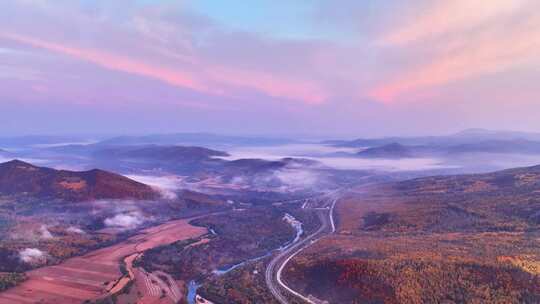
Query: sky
[335, 68]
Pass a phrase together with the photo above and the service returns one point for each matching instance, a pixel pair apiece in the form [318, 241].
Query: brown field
[88, 277]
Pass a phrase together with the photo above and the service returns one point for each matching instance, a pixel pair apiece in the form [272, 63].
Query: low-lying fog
[336, 157]
[343, 158]
[328, 156]
[166, 184]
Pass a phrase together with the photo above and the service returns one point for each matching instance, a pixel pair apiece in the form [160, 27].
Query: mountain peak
[16, 163]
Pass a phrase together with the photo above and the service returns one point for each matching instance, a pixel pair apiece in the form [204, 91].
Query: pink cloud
[273, 85]
[458, 56]
[114, 62]
[452, 16]
[212, 80]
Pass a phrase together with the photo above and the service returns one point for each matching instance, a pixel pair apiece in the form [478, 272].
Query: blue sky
[281, 20]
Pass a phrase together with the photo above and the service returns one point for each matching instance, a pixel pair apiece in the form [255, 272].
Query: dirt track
[86, 277]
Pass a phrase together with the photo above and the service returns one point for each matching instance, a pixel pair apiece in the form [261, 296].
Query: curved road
[278, 263]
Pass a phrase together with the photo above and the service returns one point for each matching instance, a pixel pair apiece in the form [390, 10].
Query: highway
[324, 207]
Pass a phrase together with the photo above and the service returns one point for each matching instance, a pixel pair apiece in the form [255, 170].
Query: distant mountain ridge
[41, 140]
[167, 153]
[396, 150]
[182, 160]
[21, 178]
[198, 139]
[466, 141]
[469, 136]
[393, 150]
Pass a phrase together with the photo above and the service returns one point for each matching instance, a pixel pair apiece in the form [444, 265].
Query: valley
[324, 208]
[174, 224]
[269, 152]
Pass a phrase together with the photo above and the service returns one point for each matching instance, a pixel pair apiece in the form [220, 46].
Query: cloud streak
[226, 81]
[444, 17]
[113, 62]
[468, 39]
[346, 68]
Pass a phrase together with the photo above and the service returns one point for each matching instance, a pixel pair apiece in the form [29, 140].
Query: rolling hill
[160, 153]
[19, 178]
[443, 239]
[467, 137]
[393, 150]
[204, 139]
[397, 150]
